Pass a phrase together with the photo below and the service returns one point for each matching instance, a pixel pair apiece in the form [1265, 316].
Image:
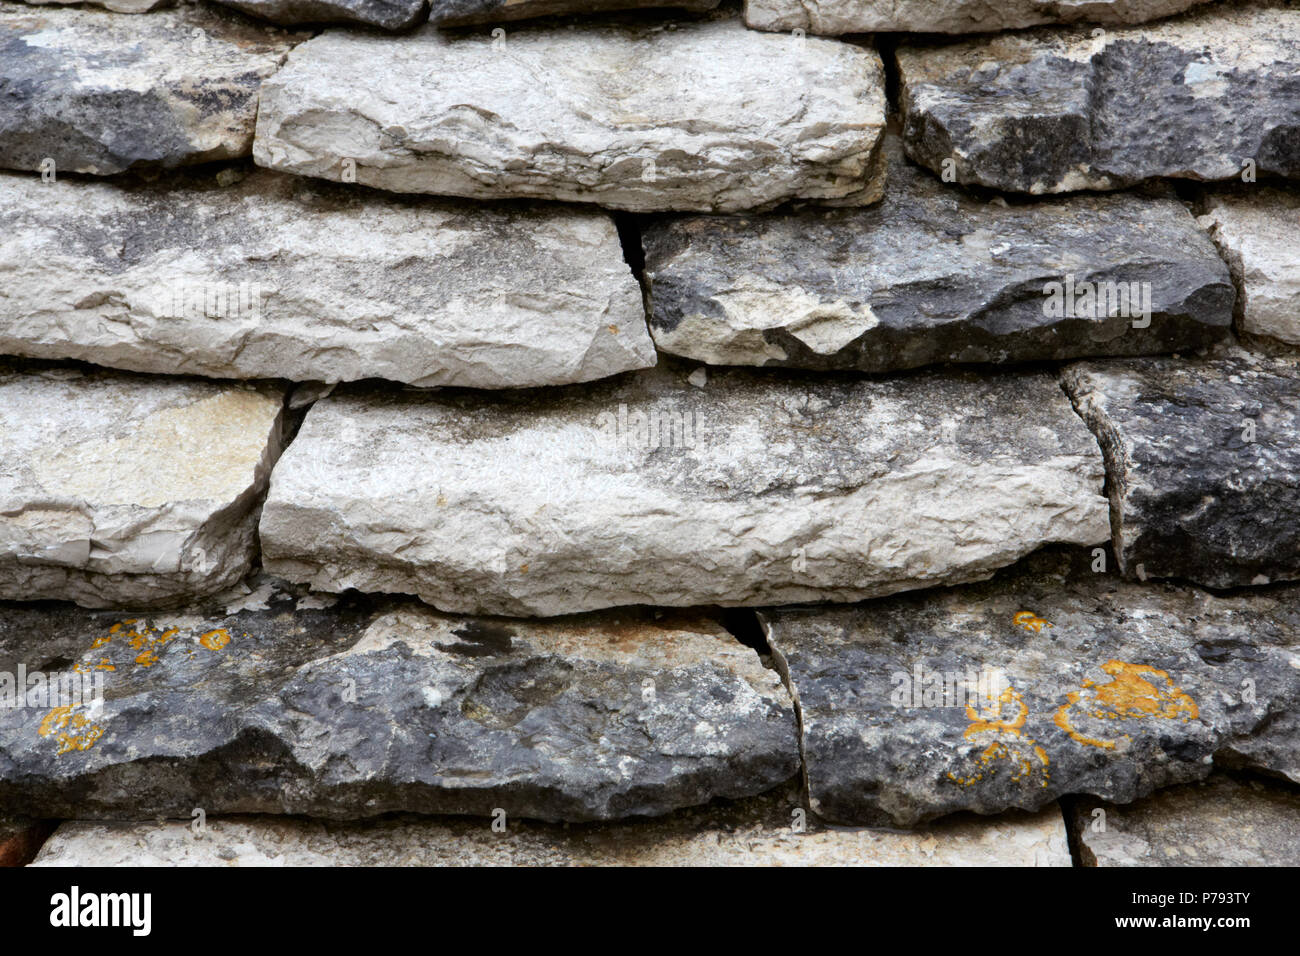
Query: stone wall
[428, 427]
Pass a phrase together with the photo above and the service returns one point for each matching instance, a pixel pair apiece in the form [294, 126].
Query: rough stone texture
[932, 274]
[388, 14]
[282, 703]
[117, 6]
[834, 17]
[281, 277]
[1056, 111]
[458, 12]
[1108, 687]
[1220, 822]
[755, 832]
[750, 490]
[21, 839]
[1256, 229]
[1202, 464]
[116, 489]
[635, 116]
[100, 92]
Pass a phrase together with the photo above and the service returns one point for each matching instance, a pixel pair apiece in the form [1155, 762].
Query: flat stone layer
[458, 12]
[281, 277]
[762, 831]
[386, 14]
[117, 489]
[750, 490]
[286, 703]
[1203, 464]
[1255, 228]
[1204, 96]
[834, 17]
[1076, 682]
[635, 116]
[98, 92]
[1223, 821]
[933, 274]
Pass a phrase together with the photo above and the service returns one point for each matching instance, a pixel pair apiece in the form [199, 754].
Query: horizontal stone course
[749, 490]
[1210, 95]
[120, 489]
[633, 116]
[1051, 679]
[760, 831]
[91, 91]
[279, 277]
[934, 274]
[278, 701]
[833, 17]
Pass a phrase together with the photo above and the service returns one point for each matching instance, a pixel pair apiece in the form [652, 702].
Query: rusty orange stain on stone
[1134, 692]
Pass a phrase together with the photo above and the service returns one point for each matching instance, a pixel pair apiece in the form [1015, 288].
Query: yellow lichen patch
[215, 640]
[1031, 621]
[1134, 693]
[73, 731]
[1000, 723]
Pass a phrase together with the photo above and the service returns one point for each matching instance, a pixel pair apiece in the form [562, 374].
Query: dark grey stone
[1101, 686]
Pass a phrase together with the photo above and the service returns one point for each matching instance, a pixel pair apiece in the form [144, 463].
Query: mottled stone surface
[1256, 229]
[290, 703]
[1098, 685]
[833, 17]
[99, 92]
[281, 277]
[119, 489]
[757, 832]
[458, 12]
[1202, 463]
[933, 274]
[388, 14]
[748, 490]
[117, 6]
[1194, 97]
[635, 116]
[1223, 821]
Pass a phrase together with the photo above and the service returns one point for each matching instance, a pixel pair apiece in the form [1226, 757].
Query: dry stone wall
[546, 419]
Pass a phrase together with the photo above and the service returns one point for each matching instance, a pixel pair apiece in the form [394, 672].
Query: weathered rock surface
[1222, 821]
[635, 116]
[1054, 111]
[1202, 463]
[99, 92]
[116, 489]
[458, 12]
[281, 277]
[117, 6]
[281, 703]
[834, 17]
[933, 274]
[387, 14]
[761, 831]
[1098, 685]
[751, 490]
[1256, 229]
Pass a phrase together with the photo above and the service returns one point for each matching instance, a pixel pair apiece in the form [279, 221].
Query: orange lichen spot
[1134, 693]
[104, 665]
[73, 731]
[147, 658]
[613, 329]
[99, 642]
[215, 640]
[523, 568]
[1000, 723]
[1031, 621]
